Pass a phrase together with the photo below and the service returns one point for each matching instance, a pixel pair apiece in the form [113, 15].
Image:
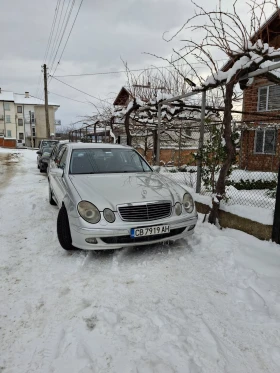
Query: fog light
[109, 215]
[191, 227]
[92, 240]
[178, 208]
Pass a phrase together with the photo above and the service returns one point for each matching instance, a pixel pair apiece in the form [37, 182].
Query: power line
[40, 78]
[68, 36]
[57, 33]
[64, 29]
[82, 102]
[63, 22]
[96, 98]
[133, 70]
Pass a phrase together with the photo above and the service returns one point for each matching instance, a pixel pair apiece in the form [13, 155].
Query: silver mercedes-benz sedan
[109, 197]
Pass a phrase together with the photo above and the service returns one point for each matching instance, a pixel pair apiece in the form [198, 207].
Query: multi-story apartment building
[22, 113]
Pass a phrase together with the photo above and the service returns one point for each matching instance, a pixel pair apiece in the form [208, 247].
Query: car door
[53, 156]
[53, 178]
[60, 180]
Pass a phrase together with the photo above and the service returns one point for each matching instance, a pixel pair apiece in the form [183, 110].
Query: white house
[22, 113]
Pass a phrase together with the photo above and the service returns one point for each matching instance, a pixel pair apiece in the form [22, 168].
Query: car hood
[110, 190]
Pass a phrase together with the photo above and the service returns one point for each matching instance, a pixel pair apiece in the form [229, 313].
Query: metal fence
[253, 179]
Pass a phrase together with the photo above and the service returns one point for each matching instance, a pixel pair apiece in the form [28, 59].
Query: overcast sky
[105, 32]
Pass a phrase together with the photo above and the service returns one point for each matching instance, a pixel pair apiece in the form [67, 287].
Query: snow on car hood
[110, 190]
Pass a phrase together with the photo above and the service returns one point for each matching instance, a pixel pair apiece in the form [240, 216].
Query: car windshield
[46, 151]
[48, 143]
[104, 160]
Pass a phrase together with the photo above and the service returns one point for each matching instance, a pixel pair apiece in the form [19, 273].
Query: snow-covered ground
[211, 304]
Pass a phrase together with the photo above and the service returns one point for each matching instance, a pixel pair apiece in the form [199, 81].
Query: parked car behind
[109, 197]
[47, 142]
[56, 150]
[44, 157]
[44, 143]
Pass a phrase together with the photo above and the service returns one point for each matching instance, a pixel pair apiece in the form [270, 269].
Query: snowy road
[209, 305]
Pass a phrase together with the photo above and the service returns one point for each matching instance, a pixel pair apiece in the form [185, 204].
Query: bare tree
[147, 90]
[224, 31]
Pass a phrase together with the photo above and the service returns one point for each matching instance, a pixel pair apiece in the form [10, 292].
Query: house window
[32, 117]
[33, 132]
[20, 122]
[8, 119]
[20, 136]
[19, 109]
[269, 98]
[9, 133]
[265, 141]
[6, 106]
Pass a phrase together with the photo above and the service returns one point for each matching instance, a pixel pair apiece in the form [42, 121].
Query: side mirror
[39, 152]
[57, 171]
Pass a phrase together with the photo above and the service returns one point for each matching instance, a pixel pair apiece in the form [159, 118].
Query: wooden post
[48, 129]
[180, 144]
[276, 221]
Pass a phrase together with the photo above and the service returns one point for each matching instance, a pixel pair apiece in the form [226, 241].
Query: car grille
[146, 212]
[128, 239]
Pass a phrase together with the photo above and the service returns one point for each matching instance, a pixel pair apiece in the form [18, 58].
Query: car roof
[49, 140]
[86, 145]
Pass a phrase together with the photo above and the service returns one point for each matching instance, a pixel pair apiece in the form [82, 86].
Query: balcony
[57, 122]
[1, 117]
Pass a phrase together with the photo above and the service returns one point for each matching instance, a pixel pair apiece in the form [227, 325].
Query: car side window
[59, 156]
[62, 161]
[53, 152]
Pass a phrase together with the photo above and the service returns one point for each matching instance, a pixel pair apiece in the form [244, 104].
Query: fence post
[200, 143]
[276, 221]
[180, 144]
[158, 136]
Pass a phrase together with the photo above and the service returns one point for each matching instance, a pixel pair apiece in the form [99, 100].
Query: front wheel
[63, 230]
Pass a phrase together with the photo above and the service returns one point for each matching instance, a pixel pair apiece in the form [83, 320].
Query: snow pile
[208, 305]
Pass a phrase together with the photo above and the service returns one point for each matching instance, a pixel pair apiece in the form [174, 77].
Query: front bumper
[119, 237]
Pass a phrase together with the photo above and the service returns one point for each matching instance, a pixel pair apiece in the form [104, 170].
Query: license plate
[149, 231]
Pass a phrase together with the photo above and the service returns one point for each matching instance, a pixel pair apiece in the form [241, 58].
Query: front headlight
[88, 212]
[188, 202]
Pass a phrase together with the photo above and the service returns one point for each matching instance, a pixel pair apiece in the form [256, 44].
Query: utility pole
[31, 130]
[48, 130]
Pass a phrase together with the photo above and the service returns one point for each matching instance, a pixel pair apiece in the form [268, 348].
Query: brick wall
[250, 102]
[9, 143]
[248, 159]
[257, 162]
[172, 156]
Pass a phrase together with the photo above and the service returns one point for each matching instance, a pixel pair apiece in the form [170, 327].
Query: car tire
[51, 200]
[41, 169]
[38, 166]
[63, 230]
